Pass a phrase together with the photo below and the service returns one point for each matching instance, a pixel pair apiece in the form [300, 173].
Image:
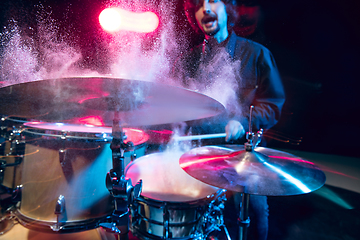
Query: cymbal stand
[120, 187]
[252, 141]
[244, 220]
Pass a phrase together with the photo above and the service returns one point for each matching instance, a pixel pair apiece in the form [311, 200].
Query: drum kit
[72, 148]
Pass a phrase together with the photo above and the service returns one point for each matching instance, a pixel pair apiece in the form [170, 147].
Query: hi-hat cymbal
[133, 102]
[261, 172]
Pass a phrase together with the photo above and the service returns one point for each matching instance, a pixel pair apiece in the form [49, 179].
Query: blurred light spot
[110, 20]
[116, 19]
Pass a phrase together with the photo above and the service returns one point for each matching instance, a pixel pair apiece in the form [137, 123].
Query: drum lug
[133, 204]
[137, 190]
[166, 215]
[110, 227]
[16, 194]
[2, 169]
[59, 210]
[213, 216]
[133, 157]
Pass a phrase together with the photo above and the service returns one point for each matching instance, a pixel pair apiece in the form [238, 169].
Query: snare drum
[172, 203]
[63, 175]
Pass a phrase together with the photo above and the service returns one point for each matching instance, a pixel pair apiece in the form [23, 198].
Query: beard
[213, 32]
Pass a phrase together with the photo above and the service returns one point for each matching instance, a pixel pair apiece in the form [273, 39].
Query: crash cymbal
[135, 103]
[262, 171]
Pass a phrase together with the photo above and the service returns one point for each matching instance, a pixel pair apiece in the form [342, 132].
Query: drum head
[164, 180]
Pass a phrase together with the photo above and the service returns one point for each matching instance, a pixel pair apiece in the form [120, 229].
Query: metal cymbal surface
[262, 171]
[134, 103]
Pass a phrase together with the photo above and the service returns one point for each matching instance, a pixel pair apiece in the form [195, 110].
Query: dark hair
[190, 9]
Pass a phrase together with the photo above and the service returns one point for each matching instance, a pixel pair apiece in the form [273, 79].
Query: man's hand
[234, 130]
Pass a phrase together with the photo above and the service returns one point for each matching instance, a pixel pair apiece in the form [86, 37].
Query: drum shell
[169, 197]
[74, 168]
[184, 218]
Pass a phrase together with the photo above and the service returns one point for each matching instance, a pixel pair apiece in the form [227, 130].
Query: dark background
[315, 44]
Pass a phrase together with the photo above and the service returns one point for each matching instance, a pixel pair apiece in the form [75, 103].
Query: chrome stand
[120, 187]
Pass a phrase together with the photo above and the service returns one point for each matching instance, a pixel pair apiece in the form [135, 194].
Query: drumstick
[197, 137]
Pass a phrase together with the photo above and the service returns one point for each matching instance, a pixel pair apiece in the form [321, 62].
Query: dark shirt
[256, 81]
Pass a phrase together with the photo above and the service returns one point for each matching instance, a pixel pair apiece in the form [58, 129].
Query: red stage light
[116, 19]
[92, 120]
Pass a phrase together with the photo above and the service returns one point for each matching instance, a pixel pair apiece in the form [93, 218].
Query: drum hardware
[16, 194]
[213, 217]
[16, 151]
[120, 188]
[166, 214]
[2, 168]
[253, 141]
[6, 223]
[133, 157]
[8, 220]
[59, 210]
[244, 219]
[17, 144]
[65, 165]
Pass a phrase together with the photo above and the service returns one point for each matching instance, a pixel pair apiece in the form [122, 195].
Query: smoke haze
[51, 54]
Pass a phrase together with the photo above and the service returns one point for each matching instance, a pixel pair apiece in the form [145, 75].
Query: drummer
[256, 77]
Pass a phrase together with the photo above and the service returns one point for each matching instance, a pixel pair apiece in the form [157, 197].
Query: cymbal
[134, 103]
[262, 171]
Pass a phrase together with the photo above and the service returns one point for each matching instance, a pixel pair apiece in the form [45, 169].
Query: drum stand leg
[244, 220]
[226, 232]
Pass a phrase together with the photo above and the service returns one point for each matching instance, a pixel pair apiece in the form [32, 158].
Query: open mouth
[208, 21]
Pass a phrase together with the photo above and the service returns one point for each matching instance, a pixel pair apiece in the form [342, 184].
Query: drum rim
[67, 134]
[67, 227]
[94, 136]
[4, 118]
[176, 205]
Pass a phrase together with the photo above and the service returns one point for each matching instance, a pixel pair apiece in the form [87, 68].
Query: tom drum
[63, 175]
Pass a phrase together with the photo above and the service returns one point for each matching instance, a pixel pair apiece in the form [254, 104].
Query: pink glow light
[116, 19]
[202, 159]
[92, 120]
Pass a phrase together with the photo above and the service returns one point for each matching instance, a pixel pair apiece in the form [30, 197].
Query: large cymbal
[261, 172]
[133, 102]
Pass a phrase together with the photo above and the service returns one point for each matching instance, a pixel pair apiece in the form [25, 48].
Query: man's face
[211, 16]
